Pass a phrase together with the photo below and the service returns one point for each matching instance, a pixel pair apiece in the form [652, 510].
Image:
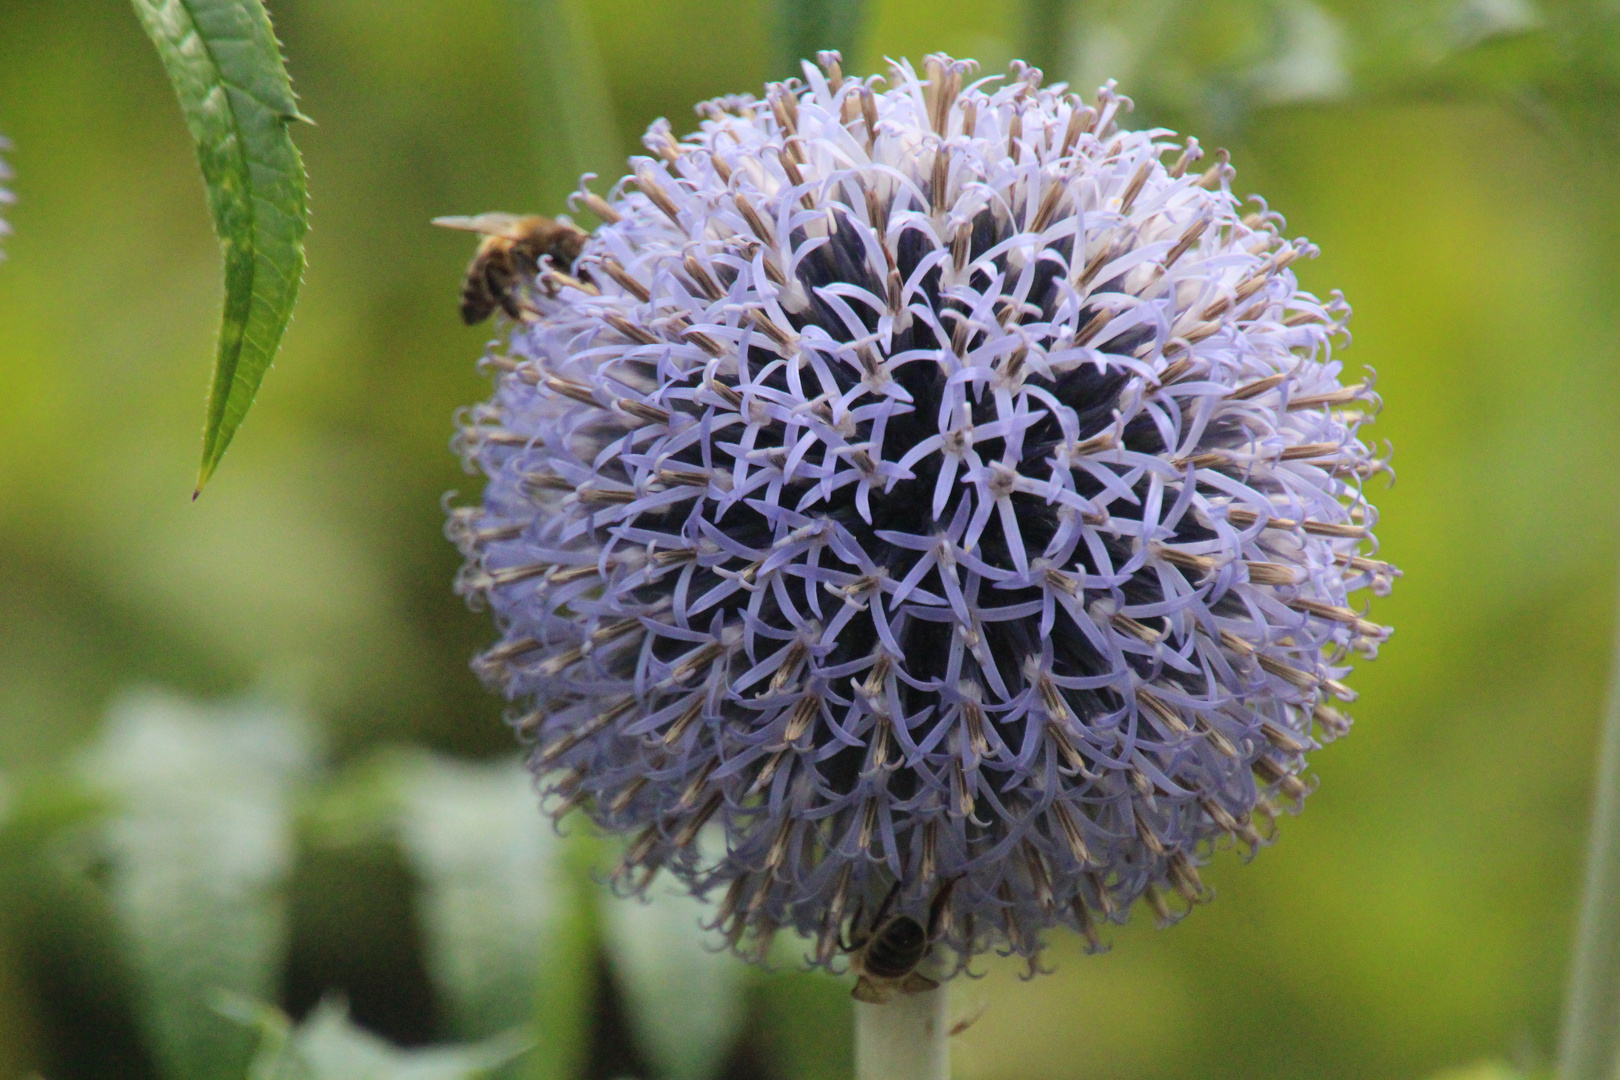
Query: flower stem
[903, 1039]
[1591, 1036]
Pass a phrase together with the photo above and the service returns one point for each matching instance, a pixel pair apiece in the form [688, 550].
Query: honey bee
[513, 245]
[885, 954]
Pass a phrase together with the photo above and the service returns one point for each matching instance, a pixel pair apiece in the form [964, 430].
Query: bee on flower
[936, 497]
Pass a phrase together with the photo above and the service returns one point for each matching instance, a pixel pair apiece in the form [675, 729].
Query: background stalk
[1591, 1033]
[904, 1039]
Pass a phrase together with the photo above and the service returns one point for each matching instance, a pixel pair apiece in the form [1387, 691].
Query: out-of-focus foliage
[328, 1046]
[226, 67]
[494, 888]
[182, 820]
[1483, 1070]
[682, 989]
[1208, 65]
[197, 847]
[500, 905]
[1417, 916]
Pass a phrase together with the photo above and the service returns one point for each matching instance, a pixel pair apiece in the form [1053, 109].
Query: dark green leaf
[225, 63]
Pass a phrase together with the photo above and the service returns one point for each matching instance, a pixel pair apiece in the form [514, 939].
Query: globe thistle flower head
[924, 485]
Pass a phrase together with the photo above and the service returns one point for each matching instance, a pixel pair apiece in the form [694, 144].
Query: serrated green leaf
[806, 27]
[199, 843]
[683, 987]
[225, 64]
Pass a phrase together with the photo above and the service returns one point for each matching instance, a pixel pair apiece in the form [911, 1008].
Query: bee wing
[510, 226]
[868, 991]
[916, 983]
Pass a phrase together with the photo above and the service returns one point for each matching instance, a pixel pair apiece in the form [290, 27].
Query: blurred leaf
[58, 925]
[571, 113]
[500, 906]
[492, 884]
[564, 996]
[199, 845]
[806, 27]
[684, 990]
[1477, 21]
[1590, 1040]
[1483, 1070]
[1205, 67]
[272, 1058]
[805, 1021]
[225, 63]
[42, 807]
[1306, 59]
[330, 1046]
[359, 805]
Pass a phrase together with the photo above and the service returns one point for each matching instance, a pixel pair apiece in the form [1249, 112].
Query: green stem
[1045, 33]
[1591, 1037]
[805, 27]
[904, 1038]
[571, 111]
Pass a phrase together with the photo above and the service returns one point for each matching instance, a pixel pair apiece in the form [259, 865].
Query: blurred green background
[1461, 185]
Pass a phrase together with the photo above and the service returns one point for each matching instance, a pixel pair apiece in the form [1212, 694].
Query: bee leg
[870, 992]
[888, 902]
[939, 910]
[968, 1019]
[917, 983]
[854, 922]
[503, 283]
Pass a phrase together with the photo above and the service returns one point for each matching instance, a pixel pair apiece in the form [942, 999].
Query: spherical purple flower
[936, 488]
